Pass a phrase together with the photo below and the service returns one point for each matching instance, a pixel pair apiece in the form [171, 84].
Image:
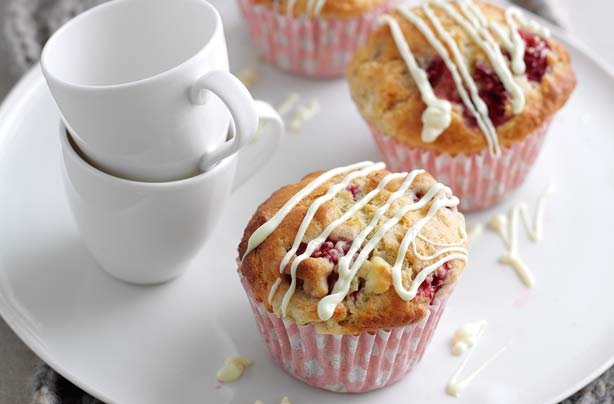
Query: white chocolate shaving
[233, 369]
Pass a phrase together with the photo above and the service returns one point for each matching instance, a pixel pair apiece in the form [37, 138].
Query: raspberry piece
[493, 93]
[441, 80]
[490, 88]
[535, 56]
[332, 250]
[434, 282]
[354, 190]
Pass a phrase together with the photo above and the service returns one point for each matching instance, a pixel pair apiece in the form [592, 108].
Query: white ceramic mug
[134, 81]
[147, 233]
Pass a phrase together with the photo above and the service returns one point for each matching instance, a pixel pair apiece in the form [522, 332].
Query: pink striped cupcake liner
[346, 363]
[315, 47]
[480, 180]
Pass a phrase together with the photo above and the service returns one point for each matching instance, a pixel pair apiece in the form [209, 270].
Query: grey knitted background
[28, 25]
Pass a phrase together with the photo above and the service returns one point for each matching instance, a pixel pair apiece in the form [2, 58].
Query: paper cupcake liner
[480, 180]
[315, 47]
[346, 363]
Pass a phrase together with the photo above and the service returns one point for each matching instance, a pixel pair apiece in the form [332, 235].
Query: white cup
[134, 81]
[147, 233]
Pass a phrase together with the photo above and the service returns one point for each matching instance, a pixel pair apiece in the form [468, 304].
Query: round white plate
[149, 345]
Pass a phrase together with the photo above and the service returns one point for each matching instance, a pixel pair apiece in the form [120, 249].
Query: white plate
[164, 344]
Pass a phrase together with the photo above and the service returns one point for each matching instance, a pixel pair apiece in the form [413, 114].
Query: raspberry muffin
[348, 272]
[464, 89]
[311, 37]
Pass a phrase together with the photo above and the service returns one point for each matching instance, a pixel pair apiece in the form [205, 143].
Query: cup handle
[242, 109]
[262, 145]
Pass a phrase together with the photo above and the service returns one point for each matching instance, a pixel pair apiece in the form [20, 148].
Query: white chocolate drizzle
[458, 69]
[458, 253]
[327, 305]
[332, 191]
[466, 336]
[469, 19]
[475, 231]
[267, 228]
[316, 242]
[530, 25]
[508, 230]
[350, 263]
[517, 46]
[438, 114]
[455, 387]
[313, 7]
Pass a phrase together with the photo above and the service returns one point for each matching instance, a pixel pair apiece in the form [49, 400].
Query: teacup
[145, 90]
[148, 233]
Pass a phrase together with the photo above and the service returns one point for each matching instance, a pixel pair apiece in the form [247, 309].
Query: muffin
[311, 37]
[348, 272]
[464, 89]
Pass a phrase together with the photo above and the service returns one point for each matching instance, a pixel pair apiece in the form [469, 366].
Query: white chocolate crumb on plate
[258, 402]
[474, 231]
[249, 76]
[285, 400]
[288, 104]
[303, 114]
[233, 369]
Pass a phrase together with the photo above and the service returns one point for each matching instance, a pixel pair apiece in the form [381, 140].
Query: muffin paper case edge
[315, 47]
[346, 363]
[480, 180]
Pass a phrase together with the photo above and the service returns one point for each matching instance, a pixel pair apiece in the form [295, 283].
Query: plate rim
[20, 93]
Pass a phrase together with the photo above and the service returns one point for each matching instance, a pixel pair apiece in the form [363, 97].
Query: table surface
[17, 362]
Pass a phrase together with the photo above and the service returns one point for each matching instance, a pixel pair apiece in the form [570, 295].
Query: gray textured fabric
[29, 23]
[27, 26]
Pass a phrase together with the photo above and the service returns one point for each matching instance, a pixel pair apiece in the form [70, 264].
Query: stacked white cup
[153, 130]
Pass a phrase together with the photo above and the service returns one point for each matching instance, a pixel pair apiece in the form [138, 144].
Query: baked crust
[372, 303]
[388, 98]
[341, 9]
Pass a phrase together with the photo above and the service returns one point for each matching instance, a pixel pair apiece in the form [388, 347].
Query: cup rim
[116, 3]
[69, 151]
